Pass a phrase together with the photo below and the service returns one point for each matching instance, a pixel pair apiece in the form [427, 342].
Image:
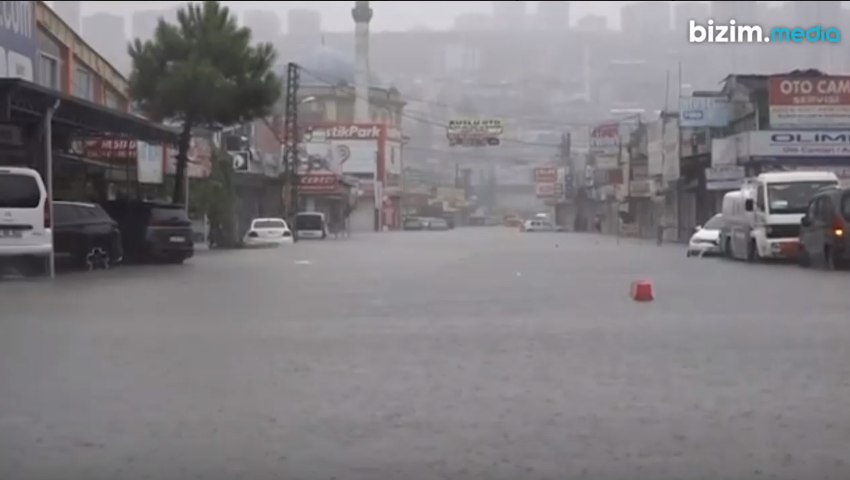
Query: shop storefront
[331, 194]
[78, 172]
[371, 153]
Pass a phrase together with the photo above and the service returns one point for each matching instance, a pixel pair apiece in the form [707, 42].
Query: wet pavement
[474, 353]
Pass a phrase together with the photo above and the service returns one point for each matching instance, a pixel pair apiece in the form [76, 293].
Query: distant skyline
[389, 15]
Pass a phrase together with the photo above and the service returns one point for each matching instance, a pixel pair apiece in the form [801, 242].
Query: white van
[311, 225]
[24, 214]
[774, 203]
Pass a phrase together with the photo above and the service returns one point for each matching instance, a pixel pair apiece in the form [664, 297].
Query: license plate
[10, 234]
[176, 239]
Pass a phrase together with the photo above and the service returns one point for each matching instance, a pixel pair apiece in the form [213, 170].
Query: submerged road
[475, 353]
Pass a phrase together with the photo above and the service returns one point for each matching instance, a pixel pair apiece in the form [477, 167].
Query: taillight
[838, 227]
[47, 214]
[287, 233]
[253, 234]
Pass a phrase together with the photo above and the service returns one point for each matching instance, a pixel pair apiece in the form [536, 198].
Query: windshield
[792, 197]
[269, 224]
[162, 213]
[715, 223]
[308, 222]
[18, 191]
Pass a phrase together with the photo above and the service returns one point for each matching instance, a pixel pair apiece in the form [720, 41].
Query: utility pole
[291, 136]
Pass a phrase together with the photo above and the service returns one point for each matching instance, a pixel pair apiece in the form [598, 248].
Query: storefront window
[84, 84]
[48, 72]
[112, 100]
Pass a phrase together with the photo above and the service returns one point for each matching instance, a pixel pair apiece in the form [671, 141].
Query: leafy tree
[216, 199]
[202, 71]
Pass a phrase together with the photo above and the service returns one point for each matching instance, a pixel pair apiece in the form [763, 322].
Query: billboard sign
[605, 139]
[704, 112]
[549, 190]
[474, 133]
[809, 102]
[545, 175]
[17, 40]
[819, 147]
[356, 156]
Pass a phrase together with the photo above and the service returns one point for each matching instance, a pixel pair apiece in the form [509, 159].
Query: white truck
[768, 225]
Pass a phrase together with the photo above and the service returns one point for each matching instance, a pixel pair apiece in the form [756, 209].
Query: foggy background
[544, 68]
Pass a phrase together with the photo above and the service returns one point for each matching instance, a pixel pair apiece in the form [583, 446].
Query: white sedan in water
[267, 232]
[706, 238]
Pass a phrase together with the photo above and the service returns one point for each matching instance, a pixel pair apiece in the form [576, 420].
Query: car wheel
[830, 262]
[97, 258]
[803, 258]
[727, 248]
[688, 254]
[752, 252]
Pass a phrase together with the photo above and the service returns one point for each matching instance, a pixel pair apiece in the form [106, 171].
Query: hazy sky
[389, 15]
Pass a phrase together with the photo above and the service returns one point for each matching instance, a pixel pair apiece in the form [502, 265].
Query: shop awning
[22, 98]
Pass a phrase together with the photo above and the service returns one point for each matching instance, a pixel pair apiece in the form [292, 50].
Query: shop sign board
[605, 139]
[809, 102]
[704, 112]
[775, 144]
[725, 177]
[545, 175]
[318, 182]
[474, 132]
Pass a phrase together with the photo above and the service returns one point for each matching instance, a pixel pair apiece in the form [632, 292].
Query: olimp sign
[17, 40]
[805, 146]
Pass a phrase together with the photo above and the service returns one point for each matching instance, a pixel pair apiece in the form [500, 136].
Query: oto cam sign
[809, 102]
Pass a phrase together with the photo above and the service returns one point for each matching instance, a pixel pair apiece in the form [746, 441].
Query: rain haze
[416, 240]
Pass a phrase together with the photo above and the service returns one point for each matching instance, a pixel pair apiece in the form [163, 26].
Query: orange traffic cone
[642, 291]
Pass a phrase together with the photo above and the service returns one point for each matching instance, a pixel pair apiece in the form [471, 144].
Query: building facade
[369, 154]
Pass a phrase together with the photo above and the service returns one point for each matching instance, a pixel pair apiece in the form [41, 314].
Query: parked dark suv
[823, 230]
[153, 231]
[86, 235]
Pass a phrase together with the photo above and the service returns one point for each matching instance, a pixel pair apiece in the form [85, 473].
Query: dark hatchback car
[153, 231]
[823, 230]
[84, 235]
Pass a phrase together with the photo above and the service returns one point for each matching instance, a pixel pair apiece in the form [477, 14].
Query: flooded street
[473, 353]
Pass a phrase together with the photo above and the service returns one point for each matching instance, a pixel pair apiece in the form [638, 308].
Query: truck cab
[774, 204]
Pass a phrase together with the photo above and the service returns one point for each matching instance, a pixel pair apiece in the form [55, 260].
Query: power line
[428, 121]
[470, 154]
[539, 120]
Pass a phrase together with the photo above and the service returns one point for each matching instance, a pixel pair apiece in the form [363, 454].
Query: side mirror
[748, 205]
[805, 221]
[698, 228]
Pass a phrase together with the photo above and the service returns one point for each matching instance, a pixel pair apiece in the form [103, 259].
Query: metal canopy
[22, 98]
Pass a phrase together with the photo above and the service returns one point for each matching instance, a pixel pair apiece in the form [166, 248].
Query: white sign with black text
[771, 144]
